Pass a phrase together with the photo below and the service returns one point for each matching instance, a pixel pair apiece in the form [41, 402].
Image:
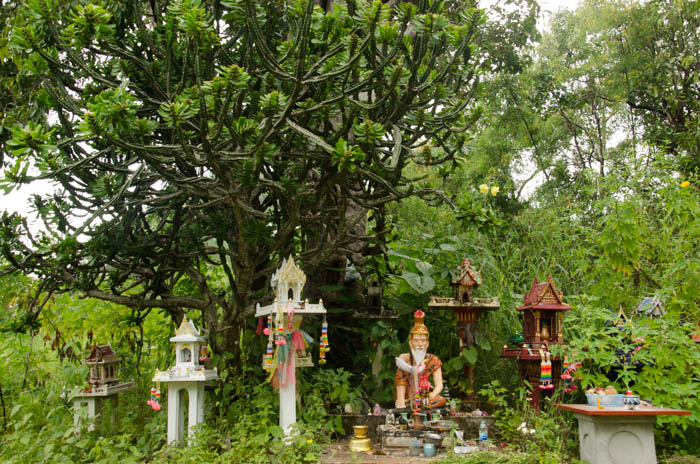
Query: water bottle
[483, 436]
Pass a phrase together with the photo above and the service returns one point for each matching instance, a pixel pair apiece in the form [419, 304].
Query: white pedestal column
[176, 414]
[176, 410]
[196, 411]
[616, 439]
[93, 406]
[288, 407]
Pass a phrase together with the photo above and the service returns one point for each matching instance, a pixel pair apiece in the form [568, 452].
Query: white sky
[18, 199]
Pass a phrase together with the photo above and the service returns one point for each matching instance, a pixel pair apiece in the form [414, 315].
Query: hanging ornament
[154, 401]
[268, 329]
[151, 401]
[324, 347]
[268, 356]
[566, 376]
[280, 338]
[545, 371]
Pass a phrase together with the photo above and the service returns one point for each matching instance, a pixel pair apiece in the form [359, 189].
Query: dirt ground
[339, 453]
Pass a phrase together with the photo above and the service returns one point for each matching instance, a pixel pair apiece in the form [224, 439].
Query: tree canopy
[194, 143]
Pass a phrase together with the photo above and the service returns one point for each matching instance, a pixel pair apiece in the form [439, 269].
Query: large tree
[194, 143]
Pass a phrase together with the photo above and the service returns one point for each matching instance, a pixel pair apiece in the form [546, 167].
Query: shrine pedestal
[617, 435]
[94, 401]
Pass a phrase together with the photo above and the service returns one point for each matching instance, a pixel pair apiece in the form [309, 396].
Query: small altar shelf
[104, 390]
[589, 410]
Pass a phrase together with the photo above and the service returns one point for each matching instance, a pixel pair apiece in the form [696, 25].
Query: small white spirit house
[290, 342]
[187, 376]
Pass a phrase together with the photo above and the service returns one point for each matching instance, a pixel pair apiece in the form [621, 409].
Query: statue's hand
[420, 368]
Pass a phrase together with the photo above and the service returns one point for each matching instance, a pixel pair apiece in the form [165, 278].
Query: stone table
[615, 435]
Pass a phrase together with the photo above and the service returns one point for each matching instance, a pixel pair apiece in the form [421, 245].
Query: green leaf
[424, 268]
[420, 283]
[482, 342]
[470, 355]
[276, 431]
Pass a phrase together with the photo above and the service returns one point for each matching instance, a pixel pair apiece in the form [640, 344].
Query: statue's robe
[432, 363]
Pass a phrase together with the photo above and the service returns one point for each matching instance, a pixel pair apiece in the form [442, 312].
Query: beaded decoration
[154, 402]
[325, 347]
[566, 376]
[545, 371]
[268, 329]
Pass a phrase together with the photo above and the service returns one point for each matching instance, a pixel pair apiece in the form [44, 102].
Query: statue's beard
[418, 354]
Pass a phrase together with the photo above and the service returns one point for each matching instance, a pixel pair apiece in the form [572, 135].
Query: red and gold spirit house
[542, 315]
[466, 307]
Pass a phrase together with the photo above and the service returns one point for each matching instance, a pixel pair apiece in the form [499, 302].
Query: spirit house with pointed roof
[469, 278]
[542, 316]
[187, 377]
[104, 365]
[287, 311]
[543, 313]
[187, 342]
[104, 384]
[466, 307]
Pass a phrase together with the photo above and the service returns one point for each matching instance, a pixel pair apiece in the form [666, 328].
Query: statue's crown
[419, 327]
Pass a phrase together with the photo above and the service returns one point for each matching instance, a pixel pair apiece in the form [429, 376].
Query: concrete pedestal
[614, 435]
[288, 407]
[176, 409]
[616, 439]
[94, 408]
[94, 401]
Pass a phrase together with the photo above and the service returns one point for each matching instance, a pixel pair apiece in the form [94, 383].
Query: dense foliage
[199, 163]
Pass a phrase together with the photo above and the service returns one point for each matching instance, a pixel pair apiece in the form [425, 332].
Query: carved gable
[186, 328]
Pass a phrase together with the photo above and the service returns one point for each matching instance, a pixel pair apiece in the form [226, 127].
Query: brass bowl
[360, 431]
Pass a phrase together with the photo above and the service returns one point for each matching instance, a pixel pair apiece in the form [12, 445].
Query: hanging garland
[325, 347]
[545, 371]
[154, 402]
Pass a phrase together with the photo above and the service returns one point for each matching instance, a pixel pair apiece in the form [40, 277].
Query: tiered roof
[288, 272]
[187, 332]
[651, 307]
[467, 275]
[544, 296]
[101, 354]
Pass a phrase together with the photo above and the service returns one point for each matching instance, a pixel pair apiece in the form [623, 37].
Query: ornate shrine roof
[544, 296]
[288, 272]
[101, 354]
[651, 307]
[467, 275]
[187, 332]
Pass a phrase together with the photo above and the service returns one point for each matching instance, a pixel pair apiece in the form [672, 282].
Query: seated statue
[414, 369]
